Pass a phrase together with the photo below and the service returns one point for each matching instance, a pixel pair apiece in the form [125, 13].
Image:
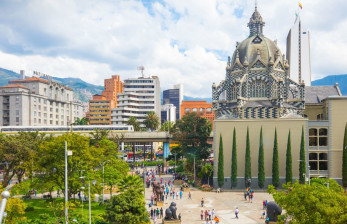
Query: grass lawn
[41, 207]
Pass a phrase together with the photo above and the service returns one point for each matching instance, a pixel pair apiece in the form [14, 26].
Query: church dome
[250, 48]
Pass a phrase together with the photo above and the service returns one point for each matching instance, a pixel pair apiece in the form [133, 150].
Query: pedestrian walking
[177, 194]
[161, 212]
[245, 195]
[263, 204]
[213, 213]
[181, 194]
[202, 202]
[216, 219]
[189, 196]
[209, 214]
[237, 213]
[206, 215]
[151, 213]
[179, 217]
[202, 215]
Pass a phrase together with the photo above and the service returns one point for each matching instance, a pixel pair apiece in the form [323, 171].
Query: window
[39, 114]
[209, 109]
[17, 112]
[318, 137]
[233, 92]
[202, 109]
[257, 89]
[195, 110]
[17, 105]
[17, 119]
[187, 110]
[17, 98]
[34, 113]
[318, 161]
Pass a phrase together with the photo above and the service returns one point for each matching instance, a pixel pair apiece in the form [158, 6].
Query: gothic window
[258, 89]
[233, 92]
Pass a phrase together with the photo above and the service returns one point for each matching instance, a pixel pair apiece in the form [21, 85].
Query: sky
[181, 41]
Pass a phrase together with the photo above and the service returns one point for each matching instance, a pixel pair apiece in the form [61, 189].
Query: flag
[300, 5]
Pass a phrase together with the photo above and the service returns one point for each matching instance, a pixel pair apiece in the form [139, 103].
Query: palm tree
[134, 122]
[151, 121]
[130, 182]
[82, 121]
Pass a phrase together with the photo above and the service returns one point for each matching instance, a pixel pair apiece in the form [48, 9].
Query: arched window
[233, 92]
[257, 89]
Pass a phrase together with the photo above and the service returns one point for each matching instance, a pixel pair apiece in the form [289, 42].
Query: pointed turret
[256, 24]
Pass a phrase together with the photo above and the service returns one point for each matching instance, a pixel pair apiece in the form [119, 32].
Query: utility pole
[90, 206]
[194, 169]
[66, 194]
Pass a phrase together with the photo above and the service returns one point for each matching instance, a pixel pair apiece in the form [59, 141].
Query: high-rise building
[35, 101]
[174, 96]
[141, 95]
[112, 87]
[100, 106]
[168, 113]
[298, 53]
[201, 107]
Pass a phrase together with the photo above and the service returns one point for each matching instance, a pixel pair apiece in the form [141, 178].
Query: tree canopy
[192, 132]
[321, 202]
[134, 122]
[151, 121]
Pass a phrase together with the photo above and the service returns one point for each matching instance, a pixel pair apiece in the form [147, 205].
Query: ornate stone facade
[257, 83]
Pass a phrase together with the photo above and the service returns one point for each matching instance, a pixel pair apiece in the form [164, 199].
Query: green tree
[220, 163]
[130, 182]
[261, 171]
[302, 164]
[81, 121]
[206, 172]
[15, 209]
[248, 168]
[289, 171]
[151, 121]
[275, 167]
[321, 202]
[134, 122]
[127, 207]
[167, 126]
[344, 159]
[114, 172]
[51, 162]
[18, 152]
[234, 161]
[191, 133]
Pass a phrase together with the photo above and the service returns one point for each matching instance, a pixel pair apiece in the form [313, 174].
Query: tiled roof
[315, 94]
[14, 86]
[30, 79]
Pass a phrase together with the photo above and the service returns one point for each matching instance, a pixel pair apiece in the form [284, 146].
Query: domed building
[257, 84]
[259, 102]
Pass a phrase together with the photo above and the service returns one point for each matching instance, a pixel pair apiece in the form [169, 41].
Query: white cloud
[183, 41]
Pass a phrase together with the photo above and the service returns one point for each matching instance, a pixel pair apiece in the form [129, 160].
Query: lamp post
[175, 160]
[4, 196]
[89, 201]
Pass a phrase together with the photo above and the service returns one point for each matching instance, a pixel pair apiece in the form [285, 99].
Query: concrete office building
[37, 102]
[141, 95]
[168, 113]
[298, 53]
[260, 95]
[174, 96]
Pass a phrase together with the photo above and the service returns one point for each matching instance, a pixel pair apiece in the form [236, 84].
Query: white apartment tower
[298, 53]
[37, 102]
[140, 96]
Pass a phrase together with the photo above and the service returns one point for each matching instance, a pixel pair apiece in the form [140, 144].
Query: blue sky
[181, 41]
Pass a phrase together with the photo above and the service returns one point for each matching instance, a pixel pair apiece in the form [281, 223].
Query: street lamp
[175, 160]
[67, 153]
[103, 181]
[194, 165]
[89, 201]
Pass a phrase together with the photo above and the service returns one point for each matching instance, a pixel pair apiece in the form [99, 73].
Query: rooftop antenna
[141, 68]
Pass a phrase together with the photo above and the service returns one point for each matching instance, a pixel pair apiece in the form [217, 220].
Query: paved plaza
[223, 203]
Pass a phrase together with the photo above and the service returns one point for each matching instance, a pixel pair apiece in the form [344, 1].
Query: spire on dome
[256, 23]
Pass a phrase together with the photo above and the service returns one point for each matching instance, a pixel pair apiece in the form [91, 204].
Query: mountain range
[84, 91]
